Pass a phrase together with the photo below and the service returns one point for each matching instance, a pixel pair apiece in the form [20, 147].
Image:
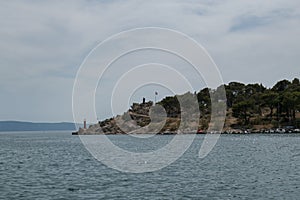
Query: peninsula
[251, 108]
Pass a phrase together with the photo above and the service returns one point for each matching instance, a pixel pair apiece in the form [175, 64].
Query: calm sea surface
[55, 165]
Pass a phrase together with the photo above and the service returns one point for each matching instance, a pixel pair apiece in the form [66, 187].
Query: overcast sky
[43, 43]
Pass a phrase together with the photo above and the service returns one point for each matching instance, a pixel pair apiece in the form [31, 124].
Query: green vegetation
[250, 106]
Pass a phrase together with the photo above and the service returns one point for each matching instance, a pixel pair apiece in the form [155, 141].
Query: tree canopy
[250, 103]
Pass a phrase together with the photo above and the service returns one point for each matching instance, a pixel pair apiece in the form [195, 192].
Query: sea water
[56, 165]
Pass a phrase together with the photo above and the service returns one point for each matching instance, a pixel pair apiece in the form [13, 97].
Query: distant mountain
[30, 126]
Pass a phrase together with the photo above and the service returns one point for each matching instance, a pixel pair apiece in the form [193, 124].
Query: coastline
[248, 108]
[235, 132]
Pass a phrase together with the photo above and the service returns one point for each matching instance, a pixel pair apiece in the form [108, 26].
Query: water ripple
[57, 166]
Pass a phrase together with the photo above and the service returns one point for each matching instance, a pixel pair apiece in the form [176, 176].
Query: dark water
[57, 166]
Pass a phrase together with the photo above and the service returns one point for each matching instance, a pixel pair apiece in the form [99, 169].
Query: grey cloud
[249, 21]
[44, 42]
[245, 23]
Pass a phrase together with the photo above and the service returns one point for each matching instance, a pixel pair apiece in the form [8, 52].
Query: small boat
[75, 133]
[200, 131]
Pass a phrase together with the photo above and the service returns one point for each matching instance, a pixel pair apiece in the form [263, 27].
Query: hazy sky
[43, 43]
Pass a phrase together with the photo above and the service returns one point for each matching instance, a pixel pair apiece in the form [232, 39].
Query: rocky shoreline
[137, 121]
[233, 131]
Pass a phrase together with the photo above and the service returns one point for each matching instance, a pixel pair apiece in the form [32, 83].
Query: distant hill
[250, 108]
[30, 126]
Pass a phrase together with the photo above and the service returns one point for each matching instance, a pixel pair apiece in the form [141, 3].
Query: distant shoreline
[18, 126]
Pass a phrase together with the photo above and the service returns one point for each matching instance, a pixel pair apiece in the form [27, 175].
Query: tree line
[251, 104]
